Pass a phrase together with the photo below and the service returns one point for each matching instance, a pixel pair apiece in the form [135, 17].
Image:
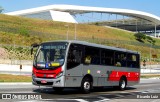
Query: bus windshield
[51, 55]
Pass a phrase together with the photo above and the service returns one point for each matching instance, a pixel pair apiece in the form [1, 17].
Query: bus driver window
[74, 57]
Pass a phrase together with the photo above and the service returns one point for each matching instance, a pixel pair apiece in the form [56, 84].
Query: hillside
[24, 31]
[22, 27]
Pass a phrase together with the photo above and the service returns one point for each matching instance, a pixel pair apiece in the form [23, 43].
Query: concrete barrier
[10, 68]
[150, 71]
[28, 68]
[151, 66]
[16, 62]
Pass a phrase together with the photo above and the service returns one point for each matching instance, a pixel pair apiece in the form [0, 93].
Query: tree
[1, 9]
[140, 37]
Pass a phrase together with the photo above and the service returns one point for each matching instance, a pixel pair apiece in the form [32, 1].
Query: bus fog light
[58, 81]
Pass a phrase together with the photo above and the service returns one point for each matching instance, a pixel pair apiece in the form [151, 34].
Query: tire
[86, 85]
[58, 89]
[122, 84]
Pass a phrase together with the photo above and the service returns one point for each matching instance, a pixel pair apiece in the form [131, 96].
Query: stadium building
[131, 20]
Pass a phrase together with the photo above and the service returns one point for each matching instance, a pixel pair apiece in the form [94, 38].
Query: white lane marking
[55, 100]
[20, 83]
[104, 99]
[81, 100]
[144, 92]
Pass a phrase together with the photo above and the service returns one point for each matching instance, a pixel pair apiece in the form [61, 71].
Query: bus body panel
[110, 75]
[103, 75]
[74, 76]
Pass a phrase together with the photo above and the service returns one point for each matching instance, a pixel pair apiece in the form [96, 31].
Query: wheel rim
[87, 85]
[123, 84]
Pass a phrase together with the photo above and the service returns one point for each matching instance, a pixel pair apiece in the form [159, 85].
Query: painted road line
[18, 83]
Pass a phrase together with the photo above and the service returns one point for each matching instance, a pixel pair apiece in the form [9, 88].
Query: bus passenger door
[74, 66]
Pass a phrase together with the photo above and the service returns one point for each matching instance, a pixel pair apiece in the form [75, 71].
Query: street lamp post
[67, 31]
[75, 33]
[150, 55]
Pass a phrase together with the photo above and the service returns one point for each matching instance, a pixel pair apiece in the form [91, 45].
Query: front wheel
[122, 84]
[86, 85]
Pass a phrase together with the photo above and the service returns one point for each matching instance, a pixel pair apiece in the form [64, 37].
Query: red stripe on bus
[47, 73]
[131, 76]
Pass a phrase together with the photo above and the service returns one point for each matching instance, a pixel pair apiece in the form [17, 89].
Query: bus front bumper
[58, 82]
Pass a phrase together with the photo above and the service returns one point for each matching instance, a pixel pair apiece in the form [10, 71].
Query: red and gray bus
[61, 64]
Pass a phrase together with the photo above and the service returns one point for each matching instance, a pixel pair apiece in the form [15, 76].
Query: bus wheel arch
[123, 83]
[87, 83]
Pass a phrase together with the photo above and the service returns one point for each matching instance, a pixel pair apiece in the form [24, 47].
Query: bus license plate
[43, 81]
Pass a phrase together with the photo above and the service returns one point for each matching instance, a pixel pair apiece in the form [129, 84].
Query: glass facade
[41, 15]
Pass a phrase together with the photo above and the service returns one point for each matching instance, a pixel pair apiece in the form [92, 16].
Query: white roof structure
[83, 9]
[64, 13]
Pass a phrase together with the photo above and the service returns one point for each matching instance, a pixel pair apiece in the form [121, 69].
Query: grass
[18, 25]
[150, 75]
[14, 78]
[22, 78]
[26, 31]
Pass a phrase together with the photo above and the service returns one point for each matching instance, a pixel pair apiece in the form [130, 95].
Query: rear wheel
[86, 85]
[122, 83]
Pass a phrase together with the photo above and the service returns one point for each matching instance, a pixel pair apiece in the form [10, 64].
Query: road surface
[146, 87]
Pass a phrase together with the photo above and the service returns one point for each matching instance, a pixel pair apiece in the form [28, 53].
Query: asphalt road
[146, 89]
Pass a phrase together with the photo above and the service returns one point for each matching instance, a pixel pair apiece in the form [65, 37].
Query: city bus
[63, 64]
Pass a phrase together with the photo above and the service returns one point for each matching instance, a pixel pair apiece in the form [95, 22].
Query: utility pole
[75, 33]
[67, 31]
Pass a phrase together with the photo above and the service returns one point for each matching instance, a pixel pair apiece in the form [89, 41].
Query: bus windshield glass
[51, 55]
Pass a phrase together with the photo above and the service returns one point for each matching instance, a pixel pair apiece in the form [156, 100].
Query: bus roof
[94, 45]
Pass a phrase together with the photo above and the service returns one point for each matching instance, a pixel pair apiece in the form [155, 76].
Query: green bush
[140, 37]
[20, 53]
[24, 31]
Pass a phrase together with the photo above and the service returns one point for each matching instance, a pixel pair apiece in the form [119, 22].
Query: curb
[18, 83]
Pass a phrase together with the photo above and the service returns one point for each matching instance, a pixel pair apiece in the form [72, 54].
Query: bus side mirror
[33, 46]
[31, 50]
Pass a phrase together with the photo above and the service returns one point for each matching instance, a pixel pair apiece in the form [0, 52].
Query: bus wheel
[86, 85]
[58, 89]
[122, 84]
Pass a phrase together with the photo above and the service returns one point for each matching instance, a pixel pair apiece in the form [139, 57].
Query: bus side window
[107, 57]
[87, 59]
[132, 61]
[120, 59]
[92, 55]
[74, 57]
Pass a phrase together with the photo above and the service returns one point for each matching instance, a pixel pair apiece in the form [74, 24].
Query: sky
[150, 6]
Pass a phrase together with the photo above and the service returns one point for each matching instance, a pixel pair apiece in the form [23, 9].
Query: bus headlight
[59, 75]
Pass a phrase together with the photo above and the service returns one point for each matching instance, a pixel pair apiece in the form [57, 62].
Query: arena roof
[64, 13]
[83, 9]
